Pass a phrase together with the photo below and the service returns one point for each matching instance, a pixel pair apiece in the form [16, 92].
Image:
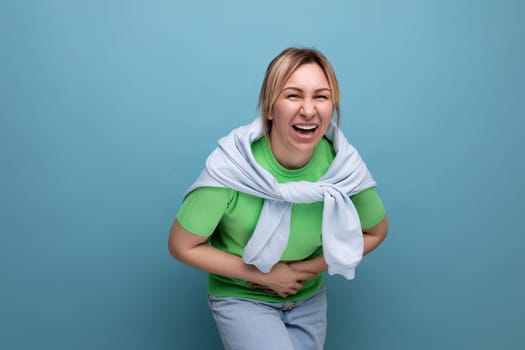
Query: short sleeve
[369, 207]
[203, 209]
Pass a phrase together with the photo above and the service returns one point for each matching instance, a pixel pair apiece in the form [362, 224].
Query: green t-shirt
[229, 218]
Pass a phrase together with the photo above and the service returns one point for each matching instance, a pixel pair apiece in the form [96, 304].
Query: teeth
[306, 127]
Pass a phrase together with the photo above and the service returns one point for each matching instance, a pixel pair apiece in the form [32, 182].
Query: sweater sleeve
[369, 207]
[203, 209]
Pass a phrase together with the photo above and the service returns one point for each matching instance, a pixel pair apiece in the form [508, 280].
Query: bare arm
[194, 250]
[372, 239]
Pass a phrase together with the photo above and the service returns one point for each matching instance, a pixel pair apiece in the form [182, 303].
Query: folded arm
[372, 239]
[195, 251]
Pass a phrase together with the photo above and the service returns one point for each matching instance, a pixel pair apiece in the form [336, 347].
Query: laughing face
[300, 116]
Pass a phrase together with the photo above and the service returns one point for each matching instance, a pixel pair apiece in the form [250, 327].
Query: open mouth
[305, 129]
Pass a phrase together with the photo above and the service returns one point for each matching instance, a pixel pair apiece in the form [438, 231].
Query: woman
[281, 200]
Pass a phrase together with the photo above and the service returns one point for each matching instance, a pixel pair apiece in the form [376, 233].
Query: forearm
[318, 264]
[315, 265]
[194, 251]
[213, 260]
[372, 238]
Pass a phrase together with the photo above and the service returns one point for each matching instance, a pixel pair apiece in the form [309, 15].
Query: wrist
[256, 276]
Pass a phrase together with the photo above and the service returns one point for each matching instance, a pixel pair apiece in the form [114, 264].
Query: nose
[308, 108]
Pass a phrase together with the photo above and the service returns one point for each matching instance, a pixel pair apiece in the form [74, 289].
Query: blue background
[109, 108]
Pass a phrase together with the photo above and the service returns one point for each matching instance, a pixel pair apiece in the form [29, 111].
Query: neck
[291, 159]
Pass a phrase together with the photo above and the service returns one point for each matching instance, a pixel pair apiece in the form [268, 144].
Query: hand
[283, 280]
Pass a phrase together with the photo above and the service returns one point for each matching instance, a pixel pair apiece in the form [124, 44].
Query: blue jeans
[246, 324]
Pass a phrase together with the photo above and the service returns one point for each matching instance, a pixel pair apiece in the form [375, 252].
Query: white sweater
[233, 165]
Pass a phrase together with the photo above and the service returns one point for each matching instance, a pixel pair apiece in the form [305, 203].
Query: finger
[298, 285]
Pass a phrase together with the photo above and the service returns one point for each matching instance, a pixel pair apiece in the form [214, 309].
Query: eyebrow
[298, 89]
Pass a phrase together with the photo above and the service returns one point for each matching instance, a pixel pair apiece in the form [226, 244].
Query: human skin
[283, 279]
[300, 117]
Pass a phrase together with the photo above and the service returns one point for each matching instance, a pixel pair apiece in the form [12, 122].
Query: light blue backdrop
[109, 109]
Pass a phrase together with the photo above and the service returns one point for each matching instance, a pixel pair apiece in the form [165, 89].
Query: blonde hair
[279, 71]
